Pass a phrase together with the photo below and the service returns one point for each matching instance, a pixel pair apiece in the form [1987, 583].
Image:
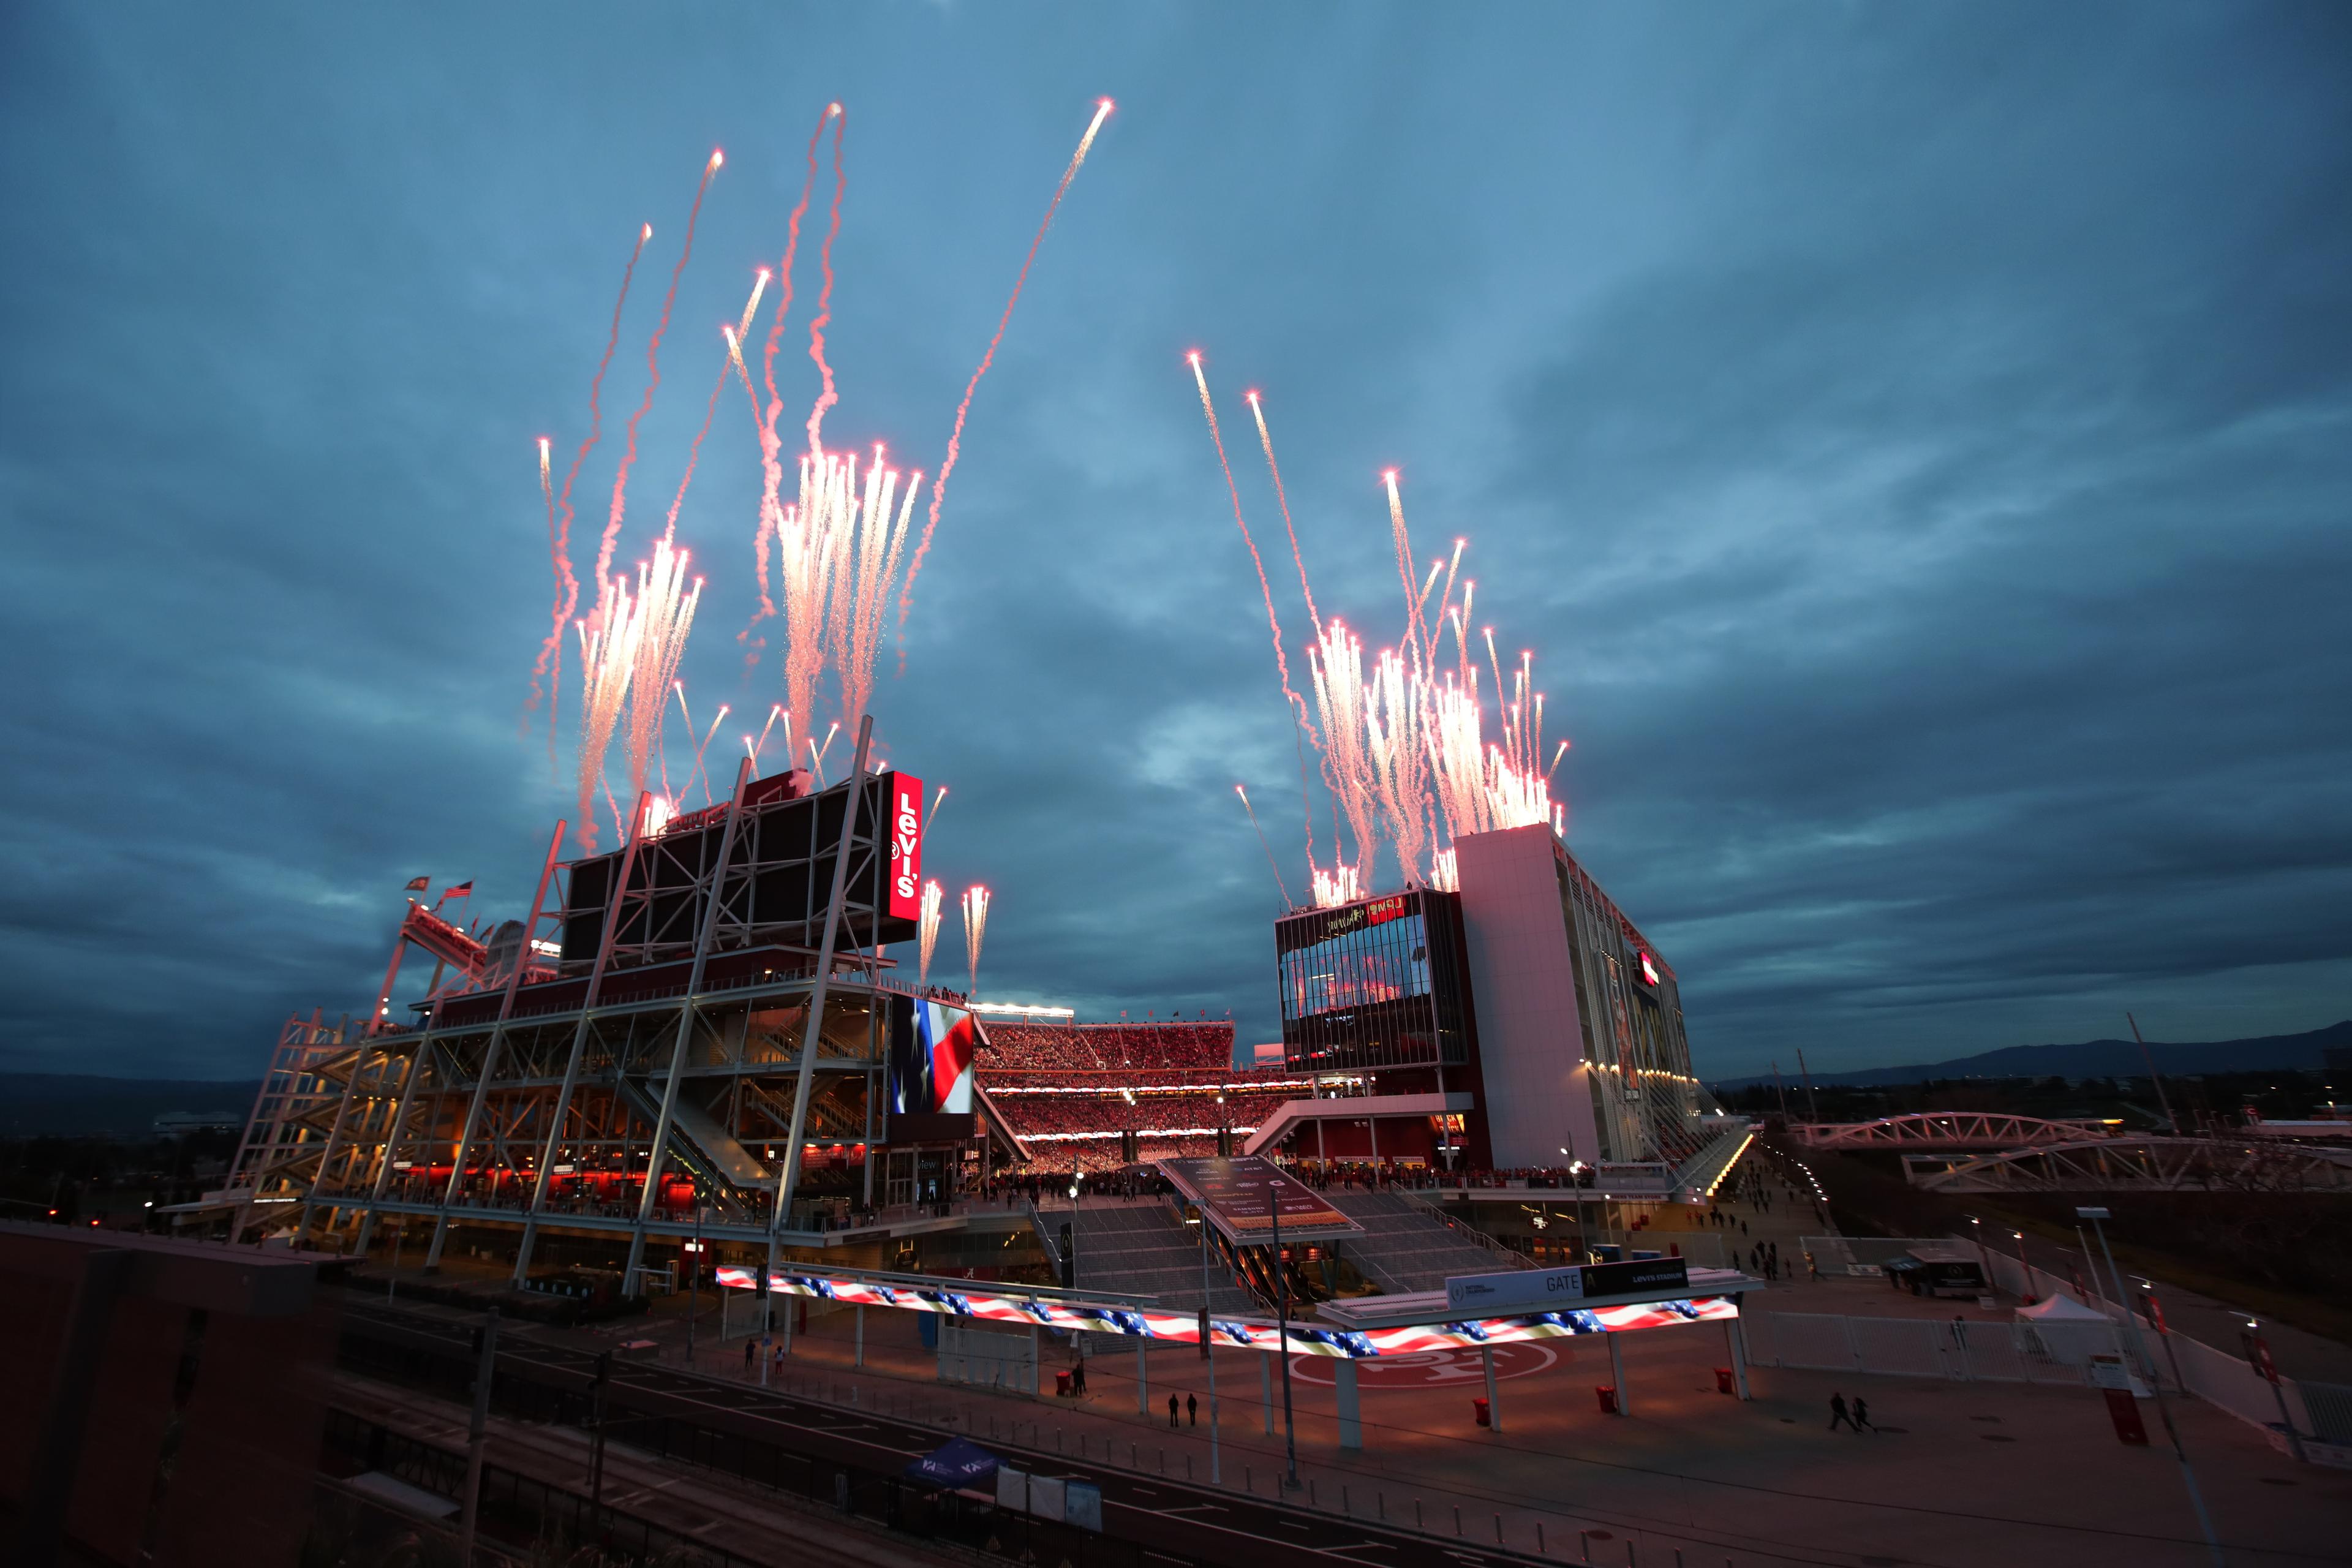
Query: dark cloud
[1914, 443]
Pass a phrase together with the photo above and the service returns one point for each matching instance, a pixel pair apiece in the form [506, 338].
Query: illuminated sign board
[1647, 968]
[905, 830]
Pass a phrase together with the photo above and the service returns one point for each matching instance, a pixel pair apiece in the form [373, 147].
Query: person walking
[1812, 1267]
[1171, 1410]
[1192, 1411]
[750, 1353]
[1078, 1378]
[1838, 1414]
[1862, 1414]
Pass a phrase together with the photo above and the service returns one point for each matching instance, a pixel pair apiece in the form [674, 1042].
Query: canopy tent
[959, 1462]
[2060, 1308]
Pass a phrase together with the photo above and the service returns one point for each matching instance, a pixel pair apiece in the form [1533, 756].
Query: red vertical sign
[906, 846]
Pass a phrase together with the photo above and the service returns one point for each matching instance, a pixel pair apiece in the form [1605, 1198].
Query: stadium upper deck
[1073, 1093]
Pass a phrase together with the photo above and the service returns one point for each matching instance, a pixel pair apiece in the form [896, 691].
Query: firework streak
[955, 437]
[1234, 1333]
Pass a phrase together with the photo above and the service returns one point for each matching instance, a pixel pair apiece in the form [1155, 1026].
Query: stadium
[698, 1048]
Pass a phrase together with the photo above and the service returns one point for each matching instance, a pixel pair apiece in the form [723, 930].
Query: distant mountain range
[77, 1105]
[2093, 1058]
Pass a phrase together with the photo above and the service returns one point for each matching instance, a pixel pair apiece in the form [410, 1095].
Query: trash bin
[1062, 1385]
[1607, 1394]
[1723, 1384]
[1485, 1417]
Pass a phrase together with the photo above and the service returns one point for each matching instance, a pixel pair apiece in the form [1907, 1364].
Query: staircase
[1407, 1248]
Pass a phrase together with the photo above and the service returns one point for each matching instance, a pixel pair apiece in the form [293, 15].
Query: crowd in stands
[1065, 1089]
[1105, 1047]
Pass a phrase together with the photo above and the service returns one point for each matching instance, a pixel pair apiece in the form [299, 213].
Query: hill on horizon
[72, 1105]
[2095, 1058]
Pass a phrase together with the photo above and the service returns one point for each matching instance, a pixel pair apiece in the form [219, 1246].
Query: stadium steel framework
[2140, 1164]
[1948, 1129]
[710, 1021]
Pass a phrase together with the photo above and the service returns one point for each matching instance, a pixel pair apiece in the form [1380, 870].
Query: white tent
[2060, 1307]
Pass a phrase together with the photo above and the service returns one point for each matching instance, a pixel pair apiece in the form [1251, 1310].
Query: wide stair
[1142, 1248]
[1406, 1248]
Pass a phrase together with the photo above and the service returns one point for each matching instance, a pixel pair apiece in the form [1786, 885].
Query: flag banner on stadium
[1238, 1333]
[932, 1050]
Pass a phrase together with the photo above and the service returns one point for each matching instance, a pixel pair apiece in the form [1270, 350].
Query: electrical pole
[2131, 1321]
[1812, 1106]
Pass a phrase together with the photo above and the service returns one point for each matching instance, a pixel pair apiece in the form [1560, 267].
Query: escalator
[727, 1174]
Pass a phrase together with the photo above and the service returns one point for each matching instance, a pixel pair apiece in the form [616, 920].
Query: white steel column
[788, 1184]
[685, 1022]
[588, 998]
[490, 1058]
[1351, 1420]
[1494, 1405]
[1617, 1374]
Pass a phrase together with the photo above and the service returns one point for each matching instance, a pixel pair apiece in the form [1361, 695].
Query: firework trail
[567, 585]
[933, 814]
[816, 754]
[955, 436]
[1267, 847]
[734, 360]
[1273, 625]
[771, 470]
[1335, 669]
[827, 398]
[975, 926]
[653, 377]
[1281, 499]
[929, 929]
[1416, 626]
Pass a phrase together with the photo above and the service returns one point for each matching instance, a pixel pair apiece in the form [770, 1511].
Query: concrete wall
[1531, 1045]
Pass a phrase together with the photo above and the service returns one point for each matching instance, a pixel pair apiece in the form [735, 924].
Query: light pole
[1984, 1256]
[2024, 1269]
[2259, 1354]
[694, 1284]
[2164, 1409]
[1207, 1348]
[1282, 1331]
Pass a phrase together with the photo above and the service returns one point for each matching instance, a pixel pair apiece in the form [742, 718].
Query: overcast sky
[1915, 441]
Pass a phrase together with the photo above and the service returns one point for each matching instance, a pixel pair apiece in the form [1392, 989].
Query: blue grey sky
[1915, 441]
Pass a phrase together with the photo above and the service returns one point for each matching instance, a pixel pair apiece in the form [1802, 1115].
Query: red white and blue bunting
[1236, 1334]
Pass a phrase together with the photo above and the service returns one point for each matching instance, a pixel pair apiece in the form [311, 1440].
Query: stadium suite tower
[1521, 1021]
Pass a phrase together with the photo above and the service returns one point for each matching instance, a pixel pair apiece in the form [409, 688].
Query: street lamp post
[2024, 1269]
[1282, 1331]
[694, 1284]
[2163, 1408]
[1208, 1348]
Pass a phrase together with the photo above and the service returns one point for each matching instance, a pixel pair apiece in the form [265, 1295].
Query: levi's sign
[1551, 1290]
[906, 846]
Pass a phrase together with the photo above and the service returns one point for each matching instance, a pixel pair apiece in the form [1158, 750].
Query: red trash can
[1607, 1395]
[1723, 1384]
[1485, 1417]
[1062, 1385]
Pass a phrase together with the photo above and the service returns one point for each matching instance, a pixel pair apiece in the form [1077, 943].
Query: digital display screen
[931, 1049]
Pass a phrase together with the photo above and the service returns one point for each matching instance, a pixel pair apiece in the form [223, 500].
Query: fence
[987, 1358]
[2321, 1410]
[1923, 1347]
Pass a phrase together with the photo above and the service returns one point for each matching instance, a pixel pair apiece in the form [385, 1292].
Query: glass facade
[1375, 984]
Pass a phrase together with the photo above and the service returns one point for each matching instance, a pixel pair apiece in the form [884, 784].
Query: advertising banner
[956, 1297]
[1240, 1196]
[905, 830]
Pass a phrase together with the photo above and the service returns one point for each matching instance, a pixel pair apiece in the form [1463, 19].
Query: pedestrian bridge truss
[2139, 1165]
[1948, 1129]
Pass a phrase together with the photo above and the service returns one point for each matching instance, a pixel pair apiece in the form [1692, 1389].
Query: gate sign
[905, 830]
[1545, 1289]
